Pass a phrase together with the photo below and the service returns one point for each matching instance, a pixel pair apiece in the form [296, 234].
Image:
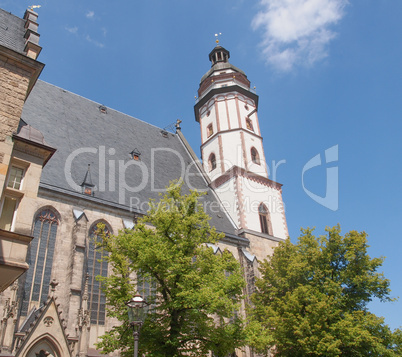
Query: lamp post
[136, 315]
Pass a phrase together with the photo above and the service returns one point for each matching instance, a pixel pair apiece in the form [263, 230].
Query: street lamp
[137, 311]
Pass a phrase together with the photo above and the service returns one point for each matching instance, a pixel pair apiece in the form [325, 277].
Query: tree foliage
[197, 291]
[312, 299]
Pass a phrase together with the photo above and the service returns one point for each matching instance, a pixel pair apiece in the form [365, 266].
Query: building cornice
[42, 151]
[210, 81]
[33, 66]
[215, 135]
[244, 232]
[52, 192]
[237, 171]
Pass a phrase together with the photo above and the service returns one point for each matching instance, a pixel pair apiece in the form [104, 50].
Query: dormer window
[103, 109]
[87, 185]
[135, 154]
[87, 190]
[210, 130]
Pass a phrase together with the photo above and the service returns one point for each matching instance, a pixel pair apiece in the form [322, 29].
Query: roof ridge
[10, 13]
[109, 108]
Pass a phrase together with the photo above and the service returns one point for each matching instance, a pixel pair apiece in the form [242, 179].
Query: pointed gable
[45, 333]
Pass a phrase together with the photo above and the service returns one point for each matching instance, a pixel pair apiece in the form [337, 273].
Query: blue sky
[328, 73]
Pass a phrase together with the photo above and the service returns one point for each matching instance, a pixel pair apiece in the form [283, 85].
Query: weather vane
[34, 7]
[217, 37]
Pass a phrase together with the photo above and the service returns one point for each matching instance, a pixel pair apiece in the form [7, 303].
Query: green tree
[312, 299]
[197, 291]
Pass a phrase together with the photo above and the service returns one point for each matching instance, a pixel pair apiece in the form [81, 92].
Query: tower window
[265, 219]
[212, 162]
[255, 157]
[210, 130]
[249, 124]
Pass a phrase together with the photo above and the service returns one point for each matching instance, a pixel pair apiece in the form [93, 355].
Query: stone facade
[18, 74]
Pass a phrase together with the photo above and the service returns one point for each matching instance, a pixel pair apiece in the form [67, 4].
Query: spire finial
[87, 185]
[53, 285]
[217, 37]
[85, 295]
[32, 7]
[177, 125]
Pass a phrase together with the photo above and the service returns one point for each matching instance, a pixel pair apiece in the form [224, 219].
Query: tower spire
[231, 147]
[217, 37]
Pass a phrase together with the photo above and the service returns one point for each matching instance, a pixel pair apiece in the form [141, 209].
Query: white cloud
[96, 43]
[72, 29]
[297, 31]
[90, 14]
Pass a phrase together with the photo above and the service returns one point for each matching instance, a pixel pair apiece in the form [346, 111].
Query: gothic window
[255, 157]
[40, 259]
[210, 130]
[146, 287]
[212, 162]
[249, 124]
[265, 219]
[96, 267]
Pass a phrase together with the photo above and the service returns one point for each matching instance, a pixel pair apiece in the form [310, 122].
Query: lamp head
[136, 310]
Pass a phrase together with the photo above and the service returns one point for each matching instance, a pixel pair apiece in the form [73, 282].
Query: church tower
[232, 149]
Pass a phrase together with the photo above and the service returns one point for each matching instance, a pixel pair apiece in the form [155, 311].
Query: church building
[62, 173]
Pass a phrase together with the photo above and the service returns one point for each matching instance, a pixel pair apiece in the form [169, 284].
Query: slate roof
[12, 31]
[83, 135]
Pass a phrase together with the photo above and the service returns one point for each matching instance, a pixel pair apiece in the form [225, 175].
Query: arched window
[45, 347]
[255, 157]
[40, 259]
[96, 266]
[210, 130]
[212, 162]
[265, 219]
[249, 124]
